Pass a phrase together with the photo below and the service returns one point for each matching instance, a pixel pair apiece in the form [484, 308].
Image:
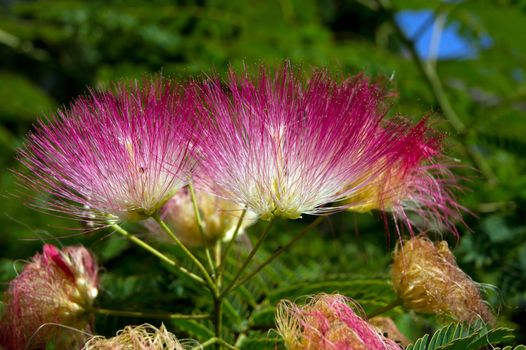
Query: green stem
[188, 253]
[279, 251]
[248, 259]
[218, 301]
[213, 341]
[200, 225]
[388, 307]
[139, 242]
[231, 243]
[218, 317]
[140, 314]
[218, 261]
[433, 81]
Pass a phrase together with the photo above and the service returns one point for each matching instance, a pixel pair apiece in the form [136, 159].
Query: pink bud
[48, 298]
[328, 322]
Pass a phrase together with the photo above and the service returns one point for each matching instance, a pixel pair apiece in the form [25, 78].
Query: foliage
[457, 336]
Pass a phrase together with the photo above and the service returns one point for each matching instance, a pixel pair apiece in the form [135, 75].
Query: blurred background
[461, 62]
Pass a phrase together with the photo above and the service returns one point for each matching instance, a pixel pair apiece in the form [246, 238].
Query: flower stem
[430, 75]
[279, 251]
[230, 244]
[217, 262]
[388, 307]
[213, 341]
[188, 253]
[139, 242]
[218, 317]
[249, 258]
[140, 314]
[200, 226]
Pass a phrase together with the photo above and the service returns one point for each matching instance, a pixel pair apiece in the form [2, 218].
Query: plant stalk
[139, 242]
[213, 341]
[249, 258]
[388, 307]
[281, 250]
[231, 242]
[140, 314]
[188, 253]
[432, 79]
[218, 318]
[200, 226]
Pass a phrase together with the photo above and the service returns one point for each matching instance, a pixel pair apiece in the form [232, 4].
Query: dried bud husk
[143, 337]
[428, 280]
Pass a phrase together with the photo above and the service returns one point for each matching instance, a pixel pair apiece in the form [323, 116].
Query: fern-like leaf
[458, 336]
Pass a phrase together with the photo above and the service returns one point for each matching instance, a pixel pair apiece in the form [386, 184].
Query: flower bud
[143, 337]
[428, 280]
[49, 298]
[327, 322]
[219, 218]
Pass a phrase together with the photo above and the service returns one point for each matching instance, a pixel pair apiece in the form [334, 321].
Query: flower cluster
[51, 294]
[143, 337]
[271, 145]
[427, 278]
[328, 322]
[277, 144]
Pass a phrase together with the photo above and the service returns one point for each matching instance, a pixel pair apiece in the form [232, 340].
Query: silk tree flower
[328, 322]
[427, 279]
[219, 218]
[143, 337]
[113, 156]
[416, 185]
[49, 299]
[284, 146]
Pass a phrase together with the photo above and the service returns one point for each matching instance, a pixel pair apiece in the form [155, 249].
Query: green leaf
[513, 143]
[260, 341]
[113, 247]
[194, 329]
[360, 288]
[458, 336]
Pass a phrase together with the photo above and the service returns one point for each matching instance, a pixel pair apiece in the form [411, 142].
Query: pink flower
[50, 295]
[327, 322]
[284, 147]
[113, 156]
[416, 188]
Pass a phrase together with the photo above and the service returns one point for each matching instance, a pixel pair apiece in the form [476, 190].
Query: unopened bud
[428, 280]
[49, 298]
[219, 218]
[327, 322]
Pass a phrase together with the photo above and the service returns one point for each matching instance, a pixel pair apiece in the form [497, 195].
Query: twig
[139, 242]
